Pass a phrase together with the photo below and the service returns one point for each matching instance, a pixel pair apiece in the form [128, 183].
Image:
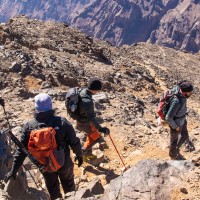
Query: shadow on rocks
[110, 174]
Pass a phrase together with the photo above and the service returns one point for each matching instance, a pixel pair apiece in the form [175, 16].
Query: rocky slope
[172, 23]
[50, 57]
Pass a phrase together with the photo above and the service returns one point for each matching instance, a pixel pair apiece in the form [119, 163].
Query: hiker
[2, 103]
[65, 137]
[87, 121]
[176, 117]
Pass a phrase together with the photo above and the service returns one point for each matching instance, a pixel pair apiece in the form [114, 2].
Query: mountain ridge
[168, 22]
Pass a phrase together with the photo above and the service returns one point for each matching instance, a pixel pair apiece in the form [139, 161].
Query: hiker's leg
[52, 184]
[183, 136]
[66, 175]
[89, 141]
[173, 142]
[92, 136]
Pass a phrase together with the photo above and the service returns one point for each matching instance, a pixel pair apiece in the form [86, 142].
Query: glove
[105, 130]
[80, 160]
[2, 103]
[9, 175]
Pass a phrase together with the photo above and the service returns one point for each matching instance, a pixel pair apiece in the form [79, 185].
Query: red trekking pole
[118, 153]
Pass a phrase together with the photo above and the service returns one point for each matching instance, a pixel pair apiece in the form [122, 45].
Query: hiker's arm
[19, 156]
[174, 107]
[89, 110]
[72, 140]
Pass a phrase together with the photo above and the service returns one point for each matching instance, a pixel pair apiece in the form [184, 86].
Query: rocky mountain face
[172, 23]
[55, 10]
[180, 27]
[51, 57]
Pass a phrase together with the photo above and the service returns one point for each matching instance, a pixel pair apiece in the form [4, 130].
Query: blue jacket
[176, 114]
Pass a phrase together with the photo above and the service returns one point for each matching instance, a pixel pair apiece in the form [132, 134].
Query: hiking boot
[85, 151]
[89, 148]
[173, 157]
[180, 157]
[177, 157]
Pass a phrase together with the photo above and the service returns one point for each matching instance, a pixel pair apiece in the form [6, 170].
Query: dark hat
[43, 102]
[94, 84]
[186, 86]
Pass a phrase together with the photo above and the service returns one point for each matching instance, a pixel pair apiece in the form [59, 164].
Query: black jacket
[86, 109]
[65, 136]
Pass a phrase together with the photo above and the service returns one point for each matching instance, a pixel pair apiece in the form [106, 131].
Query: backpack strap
[178, 95]
[36, 125]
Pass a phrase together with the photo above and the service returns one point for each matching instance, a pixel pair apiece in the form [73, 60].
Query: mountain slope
[37, 56]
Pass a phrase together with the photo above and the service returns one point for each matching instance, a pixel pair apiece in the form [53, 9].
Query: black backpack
[71, 103]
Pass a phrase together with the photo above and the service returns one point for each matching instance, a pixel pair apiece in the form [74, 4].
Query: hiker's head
[43, 102]
[94, 85]
[186, 87]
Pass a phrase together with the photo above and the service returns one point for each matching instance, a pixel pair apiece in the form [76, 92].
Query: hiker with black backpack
[49, 139]
[176, 117]
[85, 115]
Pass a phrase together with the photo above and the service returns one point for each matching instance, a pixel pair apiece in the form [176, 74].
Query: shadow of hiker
[110, 174]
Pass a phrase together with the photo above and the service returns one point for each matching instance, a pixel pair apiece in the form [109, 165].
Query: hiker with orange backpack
[86, 120]
[176, 117]
[49, 139]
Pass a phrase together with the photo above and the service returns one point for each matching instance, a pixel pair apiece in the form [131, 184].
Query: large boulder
[149, 180]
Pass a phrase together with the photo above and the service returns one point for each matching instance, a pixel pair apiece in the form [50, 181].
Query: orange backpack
[42, 145]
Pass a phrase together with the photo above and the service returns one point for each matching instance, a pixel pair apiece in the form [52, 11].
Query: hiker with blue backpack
[176, 117]
[49, 139]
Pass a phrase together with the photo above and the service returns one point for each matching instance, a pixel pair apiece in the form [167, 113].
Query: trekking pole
[38, 185]
[31, 177]
[118, 153]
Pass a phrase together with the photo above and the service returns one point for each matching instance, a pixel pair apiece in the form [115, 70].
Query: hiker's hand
[9, 175]
[105, 130]
[177, 129]
[2, 103]
[80, 160]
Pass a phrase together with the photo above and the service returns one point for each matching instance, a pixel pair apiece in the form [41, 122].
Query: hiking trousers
[92, 133]
[177, 139]
[66, 176]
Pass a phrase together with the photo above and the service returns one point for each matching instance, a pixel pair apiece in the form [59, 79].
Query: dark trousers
[66, 176]
[177, 139]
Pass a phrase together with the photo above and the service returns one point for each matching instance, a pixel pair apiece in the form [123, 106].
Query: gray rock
[93, 188]
[148, 180]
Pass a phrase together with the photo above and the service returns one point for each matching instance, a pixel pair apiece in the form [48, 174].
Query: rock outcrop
[179, 28]
[149, 180]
